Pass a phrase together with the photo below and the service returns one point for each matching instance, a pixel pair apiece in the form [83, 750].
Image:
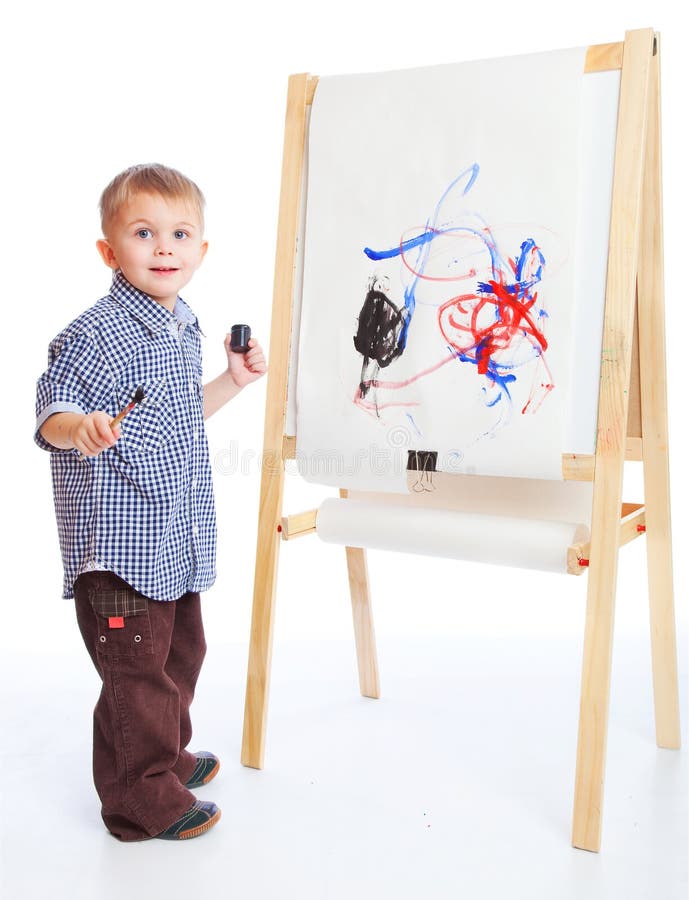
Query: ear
[107, 254]
[204, 248]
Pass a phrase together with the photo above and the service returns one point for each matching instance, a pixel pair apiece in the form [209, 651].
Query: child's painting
[493, 324]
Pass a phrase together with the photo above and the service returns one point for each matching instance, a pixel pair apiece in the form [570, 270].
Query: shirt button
[195, 529]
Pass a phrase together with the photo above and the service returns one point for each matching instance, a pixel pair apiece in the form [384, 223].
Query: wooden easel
[632, 425]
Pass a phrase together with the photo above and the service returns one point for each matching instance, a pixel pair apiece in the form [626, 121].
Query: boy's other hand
[91, 434]
[246, 367]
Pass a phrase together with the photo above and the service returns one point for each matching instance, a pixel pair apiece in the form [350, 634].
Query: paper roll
[499, 540]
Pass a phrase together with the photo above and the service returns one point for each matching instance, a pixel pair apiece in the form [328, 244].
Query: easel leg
[273, 469]
[364, 633]
[662, 610]
[261, 641]
[595, 701]
[655, 432]
[613, 405]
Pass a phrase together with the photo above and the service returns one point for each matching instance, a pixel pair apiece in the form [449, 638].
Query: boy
[134, 500]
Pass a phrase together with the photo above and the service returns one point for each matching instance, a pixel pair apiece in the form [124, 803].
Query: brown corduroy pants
[149, 660]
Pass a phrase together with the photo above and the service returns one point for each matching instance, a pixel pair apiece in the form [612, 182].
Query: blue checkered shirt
[142, 509]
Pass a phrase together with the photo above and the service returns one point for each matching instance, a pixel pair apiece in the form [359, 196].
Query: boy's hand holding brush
[89, 434]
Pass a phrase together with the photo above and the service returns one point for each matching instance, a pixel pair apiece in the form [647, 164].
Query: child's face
[157, 243]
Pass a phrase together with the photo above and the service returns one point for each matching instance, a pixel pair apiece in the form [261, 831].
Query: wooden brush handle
[120, 415]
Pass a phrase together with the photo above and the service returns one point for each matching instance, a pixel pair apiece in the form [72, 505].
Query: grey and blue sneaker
[197, 820]
[207, 767]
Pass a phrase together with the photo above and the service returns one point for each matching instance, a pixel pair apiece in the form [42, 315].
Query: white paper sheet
[600, 98]
[471, 170]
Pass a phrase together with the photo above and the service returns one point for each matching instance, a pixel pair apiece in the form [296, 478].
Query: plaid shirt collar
[151, 314]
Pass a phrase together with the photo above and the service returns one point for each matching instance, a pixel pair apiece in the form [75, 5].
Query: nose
[163, 248]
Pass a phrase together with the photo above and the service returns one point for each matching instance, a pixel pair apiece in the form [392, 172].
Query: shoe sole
[200, 829]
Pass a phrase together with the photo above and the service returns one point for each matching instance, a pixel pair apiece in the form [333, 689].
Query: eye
[144, 233]
[181, 235]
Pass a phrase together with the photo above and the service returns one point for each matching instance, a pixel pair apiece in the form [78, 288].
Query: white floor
[457, 783]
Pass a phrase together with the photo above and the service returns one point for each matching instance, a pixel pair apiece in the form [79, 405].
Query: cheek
[135, 253]
[193, 256]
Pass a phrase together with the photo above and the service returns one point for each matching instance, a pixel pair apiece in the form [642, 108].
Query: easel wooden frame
[632, 424]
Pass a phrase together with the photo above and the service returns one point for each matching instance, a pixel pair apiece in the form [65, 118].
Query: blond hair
[148, 178]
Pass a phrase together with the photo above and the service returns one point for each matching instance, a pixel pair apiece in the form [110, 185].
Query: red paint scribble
[488, 323]
[490, 327]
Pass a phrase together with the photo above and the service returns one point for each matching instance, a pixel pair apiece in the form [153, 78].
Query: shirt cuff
[50, 410]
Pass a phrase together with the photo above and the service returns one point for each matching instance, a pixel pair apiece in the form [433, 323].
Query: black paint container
[239, 338]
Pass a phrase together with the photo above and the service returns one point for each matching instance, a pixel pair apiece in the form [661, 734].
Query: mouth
[163, 270]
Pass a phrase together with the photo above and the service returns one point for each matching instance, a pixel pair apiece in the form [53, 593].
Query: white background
[90, 88]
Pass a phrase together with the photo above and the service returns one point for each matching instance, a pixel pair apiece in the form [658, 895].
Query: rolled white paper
[500, 540]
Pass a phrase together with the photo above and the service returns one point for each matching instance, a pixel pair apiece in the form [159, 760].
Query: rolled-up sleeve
[75, 380]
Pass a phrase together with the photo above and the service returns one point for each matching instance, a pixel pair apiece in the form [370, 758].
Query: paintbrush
[137, 398]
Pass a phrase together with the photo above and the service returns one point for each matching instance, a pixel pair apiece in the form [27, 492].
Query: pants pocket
[124, 625]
